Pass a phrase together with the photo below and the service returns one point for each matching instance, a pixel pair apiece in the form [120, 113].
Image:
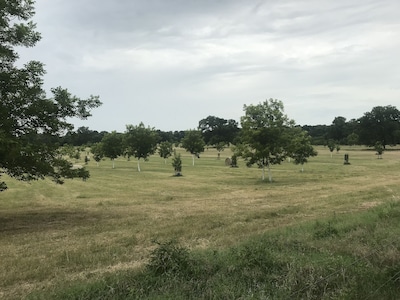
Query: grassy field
[53, 236]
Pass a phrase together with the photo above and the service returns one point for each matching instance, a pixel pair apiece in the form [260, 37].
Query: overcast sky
[171, 63]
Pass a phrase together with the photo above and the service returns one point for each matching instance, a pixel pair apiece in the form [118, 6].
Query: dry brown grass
[82, 230]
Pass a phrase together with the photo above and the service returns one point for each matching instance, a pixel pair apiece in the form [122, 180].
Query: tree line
[380, 125]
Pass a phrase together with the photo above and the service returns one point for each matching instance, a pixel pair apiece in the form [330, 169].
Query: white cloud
[146, 59]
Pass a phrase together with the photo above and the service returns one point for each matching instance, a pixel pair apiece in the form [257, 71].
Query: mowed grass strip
[82, 230]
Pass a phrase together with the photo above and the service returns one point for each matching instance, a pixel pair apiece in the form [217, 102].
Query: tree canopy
[381, 124]
[30, 122]
[218, 130]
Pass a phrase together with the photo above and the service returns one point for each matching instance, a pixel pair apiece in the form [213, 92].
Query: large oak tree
[31, 122]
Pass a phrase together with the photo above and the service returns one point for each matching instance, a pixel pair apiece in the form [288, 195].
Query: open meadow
[56, 235]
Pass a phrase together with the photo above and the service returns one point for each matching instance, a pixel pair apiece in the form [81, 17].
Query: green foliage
[265, 134]
[140, 141]
[352, 139]
[301, 147]
[331, 145]
[30, 123]
[111, 145]
[379, 149]
[218, 130]
[97, 151]
[380, 124]
[165, 149]
[193, 142]
[177, 164]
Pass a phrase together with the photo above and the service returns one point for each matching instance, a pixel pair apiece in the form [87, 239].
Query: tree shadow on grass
[12, 223]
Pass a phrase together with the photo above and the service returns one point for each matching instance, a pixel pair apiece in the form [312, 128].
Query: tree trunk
[113, 165]
[263, 172]
[138, 164]
[302, 167]
[269, 173]
[193, 159]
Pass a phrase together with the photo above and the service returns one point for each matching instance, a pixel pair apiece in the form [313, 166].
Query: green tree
[28, 118]
[140, 142]
[165, 150]
[193, 142]
[265, 135]
[220, 147]
[381, 124]
[218, 130]
[301, 148]
[112, 146]
[379, 149]
[331, 146]
[352, 139]
[97, 151]
[338, 129]
[177, 164]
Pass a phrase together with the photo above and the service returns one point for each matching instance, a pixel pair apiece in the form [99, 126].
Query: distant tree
[352, 139]
[234, 161]
[112, 146]
[331, 146]
[218, 130]
[177, 164]
[220, 147]
[379, 149]
[265, 135]
[97, 151]
[178, 136]
[165, 150]
[140, 141]
[193, 142]
[28, 117]
[338, 128]
[381, 124]
[301, 147]
[337, 148]
[319, 133]
[166, 136]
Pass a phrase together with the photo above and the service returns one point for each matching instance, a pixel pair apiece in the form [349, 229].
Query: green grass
[100, 233]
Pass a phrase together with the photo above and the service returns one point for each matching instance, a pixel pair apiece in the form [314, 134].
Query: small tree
[177, 164]
[165, 150]
[97, 151]
[379, 149]
[112, 146]
[220, 147]
[331, 146]
[193, 142]
[302, 148]
[234, 161]
[140, 141]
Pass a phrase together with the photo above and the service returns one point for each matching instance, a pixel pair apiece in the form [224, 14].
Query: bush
[169, 259]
